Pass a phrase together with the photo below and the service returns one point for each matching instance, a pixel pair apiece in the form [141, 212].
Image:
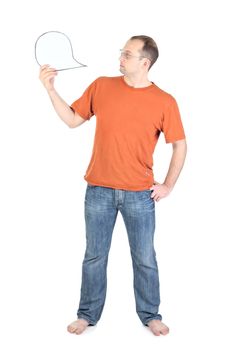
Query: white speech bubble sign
[55, 48]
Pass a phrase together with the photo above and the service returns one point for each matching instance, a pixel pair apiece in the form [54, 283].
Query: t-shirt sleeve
[84, 106]
[172, 126]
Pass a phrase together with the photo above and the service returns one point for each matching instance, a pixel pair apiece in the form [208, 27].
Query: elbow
[71, 122]
[71, 126]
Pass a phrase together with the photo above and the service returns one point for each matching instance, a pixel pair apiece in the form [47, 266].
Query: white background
[43, 163]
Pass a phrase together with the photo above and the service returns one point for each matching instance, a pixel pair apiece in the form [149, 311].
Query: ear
[146, 63]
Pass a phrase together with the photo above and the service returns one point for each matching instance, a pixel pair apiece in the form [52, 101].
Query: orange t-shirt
[128, 124]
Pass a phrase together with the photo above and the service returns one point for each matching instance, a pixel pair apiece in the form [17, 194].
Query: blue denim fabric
[138, 211]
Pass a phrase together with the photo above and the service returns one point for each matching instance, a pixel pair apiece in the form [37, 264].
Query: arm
[63, 110]
[176, 164]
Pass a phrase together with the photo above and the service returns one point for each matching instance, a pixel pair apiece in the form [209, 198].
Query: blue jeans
[138, 211]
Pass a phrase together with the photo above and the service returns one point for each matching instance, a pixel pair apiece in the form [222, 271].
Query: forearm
[176, 163]
[62, 109]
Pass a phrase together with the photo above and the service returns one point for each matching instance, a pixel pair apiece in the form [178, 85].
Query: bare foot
[157, 327]
[77, 326]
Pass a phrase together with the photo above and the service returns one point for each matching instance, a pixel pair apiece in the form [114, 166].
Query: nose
[121, 59]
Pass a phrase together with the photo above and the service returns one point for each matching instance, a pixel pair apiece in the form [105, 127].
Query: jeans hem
[153, 318]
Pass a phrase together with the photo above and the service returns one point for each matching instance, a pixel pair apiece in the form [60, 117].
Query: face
[131, 61]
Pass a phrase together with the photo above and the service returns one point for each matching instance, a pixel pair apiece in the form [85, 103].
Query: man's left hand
[159, 191]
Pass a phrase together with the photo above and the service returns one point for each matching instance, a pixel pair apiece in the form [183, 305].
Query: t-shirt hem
[120, 187]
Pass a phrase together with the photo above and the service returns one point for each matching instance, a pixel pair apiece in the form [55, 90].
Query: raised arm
[63, 110]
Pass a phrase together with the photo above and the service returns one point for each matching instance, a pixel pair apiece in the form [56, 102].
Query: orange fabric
[128, 124]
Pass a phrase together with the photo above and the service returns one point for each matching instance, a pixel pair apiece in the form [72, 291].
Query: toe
[70, 329]
[155, 331]
[79, 330]
[165, 331]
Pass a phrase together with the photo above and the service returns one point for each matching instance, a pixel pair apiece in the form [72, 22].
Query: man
[131, 112]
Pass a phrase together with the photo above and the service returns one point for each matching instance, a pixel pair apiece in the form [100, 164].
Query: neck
[137, 81]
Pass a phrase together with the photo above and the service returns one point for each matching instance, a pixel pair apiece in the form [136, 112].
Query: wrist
[169, 186]
[50, 90]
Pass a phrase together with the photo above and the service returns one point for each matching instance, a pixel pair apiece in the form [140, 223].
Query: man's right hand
[47, 75]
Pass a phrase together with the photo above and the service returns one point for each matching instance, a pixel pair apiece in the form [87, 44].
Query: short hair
[149, 49]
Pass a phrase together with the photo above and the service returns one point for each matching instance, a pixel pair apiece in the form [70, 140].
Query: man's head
[138, 55]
